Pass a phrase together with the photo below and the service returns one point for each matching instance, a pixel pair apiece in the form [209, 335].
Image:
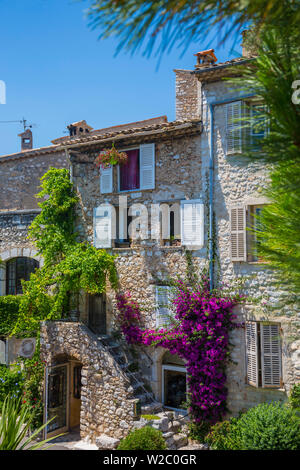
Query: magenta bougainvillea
[200, 336]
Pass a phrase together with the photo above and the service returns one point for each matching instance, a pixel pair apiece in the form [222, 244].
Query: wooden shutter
[192, 223]
[103, 227]
[233, 127]
[270, 355]
[252, 353]
[106, 180]
[147, 166]
[163, 312]
[238, 249]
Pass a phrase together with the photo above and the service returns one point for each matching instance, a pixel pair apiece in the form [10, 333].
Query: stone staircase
[119, 350]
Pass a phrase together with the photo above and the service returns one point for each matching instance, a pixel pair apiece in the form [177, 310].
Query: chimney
[205, 58]
[26, 140]
[249, 43]
[78, 129]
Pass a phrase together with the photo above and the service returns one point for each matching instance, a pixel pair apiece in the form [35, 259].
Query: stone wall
[13, 239]
[238, 181]
[20, 176]
[188, 95]
[146, 264]
[107, 401]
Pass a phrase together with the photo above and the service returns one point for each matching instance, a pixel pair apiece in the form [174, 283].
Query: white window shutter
[270, 355]
[238, 248]
[233, 127]
[147, 166]
[163, 311]
[192, 223]
[252, 353]
[106, 180]
[103, 227]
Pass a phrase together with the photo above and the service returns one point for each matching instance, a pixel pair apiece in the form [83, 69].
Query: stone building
[183, 180]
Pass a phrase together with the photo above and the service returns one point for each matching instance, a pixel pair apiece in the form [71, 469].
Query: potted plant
[110, 157]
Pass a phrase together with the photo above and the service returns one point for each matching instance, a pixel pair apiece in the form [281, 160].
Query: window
[244, 221]
[170, 224]
[18, 269]
[258, 122]
[263, 354]
[130, 172]
[192, 223]
[174, 383]
[164, 313]
[233, 127]
[137, 173]
[254, 213]
[239, 133]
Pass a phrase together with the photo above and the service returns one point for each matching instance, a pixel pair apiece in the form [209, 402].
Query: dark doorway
[97, 314]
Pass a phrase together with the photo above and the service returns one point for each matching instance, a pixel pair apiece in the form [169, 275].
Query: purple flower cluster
[200, 338]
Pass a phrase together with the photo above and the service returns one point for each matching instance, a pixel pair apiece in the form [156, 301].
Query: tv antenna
[22, 121]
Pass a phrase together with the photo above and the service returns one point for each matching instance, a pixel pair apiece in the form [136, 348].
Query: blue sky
[57, 72]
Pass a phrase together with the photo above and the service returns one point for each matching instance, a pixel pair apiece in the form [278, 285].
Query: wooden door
[97, 314]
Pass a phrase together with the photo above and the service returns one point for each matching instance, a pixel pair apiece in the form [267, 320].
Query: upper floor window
[18, 269]
[244, 223]
[246, 124]
[137, 173]
[130, 172]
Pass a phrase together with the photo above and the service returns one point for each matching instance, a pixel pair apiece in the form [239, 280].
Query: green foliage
[198, 431]
[294, 398]
[135, 22]
[11, 382]
[53, 229]
[33, 387]
[271, 426]
[15, 424]
[224, 436]
[9, 309]
[69, 266]
[146, 438]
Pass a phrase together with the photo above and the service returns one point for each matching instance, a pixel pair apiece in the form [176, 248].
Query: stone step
[151, 408]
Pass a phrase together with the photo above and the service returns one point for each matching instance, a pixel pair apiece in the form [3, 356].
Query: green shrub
[272, 426]
[9, 310]
[146, 438]
[11, 382]
[224, 436]
[269, 427]
[197, 432]
[294, 398]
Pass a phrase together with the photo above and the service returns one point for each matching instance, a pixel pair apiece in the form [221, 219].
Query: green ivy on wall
[9, 310]
[69, 266]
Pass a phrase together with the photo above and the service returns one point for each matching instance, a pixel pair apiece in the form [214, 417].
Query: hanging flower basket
[111, 157]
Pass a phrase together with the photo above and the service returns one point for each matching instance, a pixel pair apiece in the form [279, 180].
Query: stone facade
[188, 95]
[107, 399]
[20, 175]
[182, 166]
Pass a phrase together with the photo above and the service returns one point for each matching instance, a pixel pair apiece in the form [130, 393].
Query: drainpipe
[211, 178]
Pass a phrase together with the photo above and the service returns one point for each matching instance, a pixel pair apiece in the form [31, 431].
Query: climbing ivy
[69, 265]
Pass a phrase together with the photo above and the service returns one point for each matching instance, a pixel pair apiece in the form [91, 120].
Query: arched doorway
[63, 396]
[174, 384]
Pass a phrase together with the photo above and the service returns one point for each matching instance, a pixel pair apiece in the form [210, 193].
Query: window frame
[166, 367]
[259, 356]
[118, 171]
[17, 276]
